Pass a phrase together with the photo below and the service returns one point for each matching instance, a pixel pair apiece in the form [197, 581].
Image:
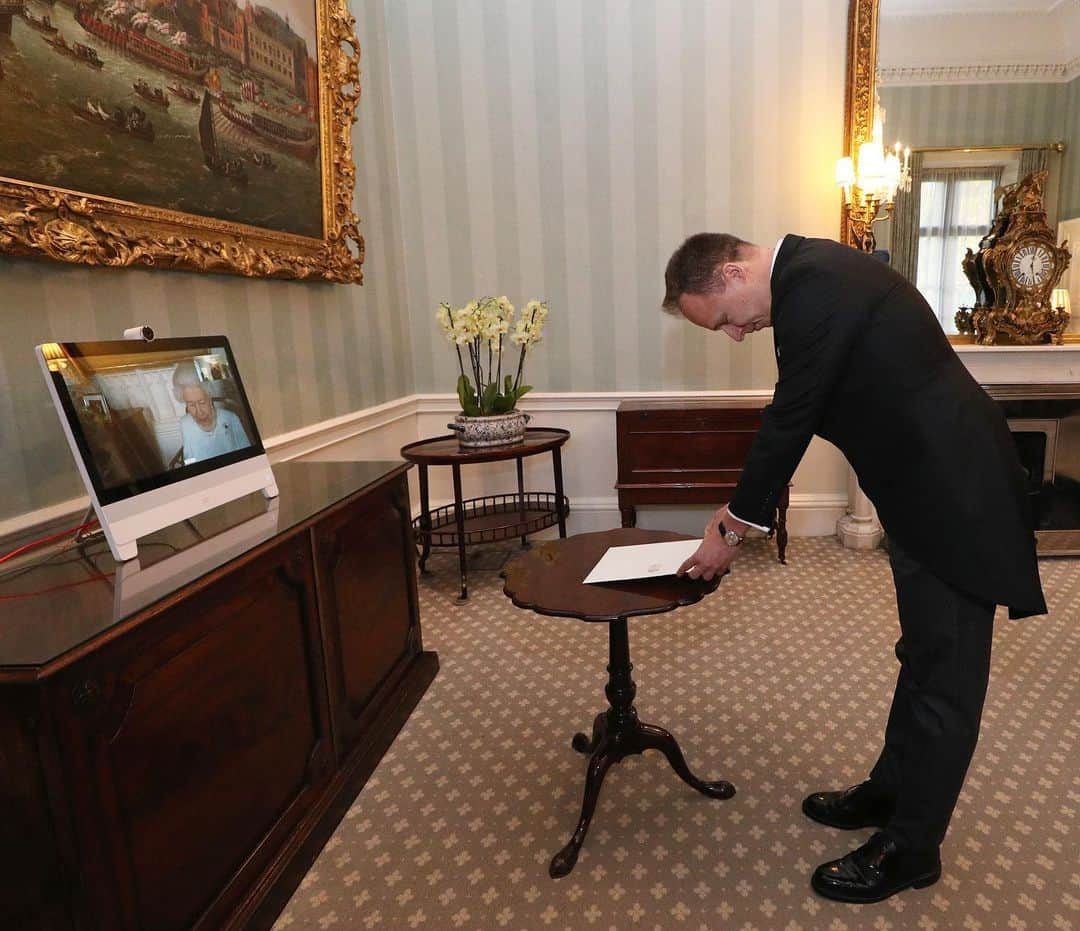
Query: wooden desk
[686, 452]
[178, 742]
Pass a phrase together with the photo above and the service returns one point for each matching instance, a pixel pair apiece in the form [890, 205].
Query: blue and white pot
[493, 430]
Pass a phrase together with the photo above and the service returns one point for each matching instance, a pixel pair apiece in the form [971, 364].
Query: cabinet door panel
[367, 587]
[206, 738]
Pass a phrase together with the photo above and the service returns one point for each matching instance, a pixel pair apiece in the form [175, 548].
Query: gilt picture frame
[203, 135]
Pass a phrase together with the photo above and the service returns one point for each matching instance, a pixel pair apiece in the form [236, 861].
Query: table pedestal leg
[617, 733]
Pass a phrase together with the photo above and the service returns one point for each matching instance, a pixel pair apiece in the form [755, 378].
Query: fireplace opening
[1045, 425]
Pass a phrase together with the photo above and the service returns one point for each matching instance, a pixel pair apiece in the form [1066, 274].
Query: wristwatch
[731, 538]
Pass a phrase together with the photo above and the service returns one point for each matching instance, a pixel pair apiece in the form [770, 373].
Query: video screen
[147, 414]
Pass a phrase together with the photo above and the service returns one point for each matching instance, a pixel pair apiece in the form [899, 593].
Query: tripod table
[549, 580]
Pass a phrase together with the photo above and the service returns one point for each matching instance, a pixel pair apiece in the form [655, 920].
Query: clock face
[1032, 265]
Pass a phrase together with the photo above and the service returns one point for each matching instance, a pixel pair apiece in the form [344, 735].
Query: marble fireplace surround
[1009, 374]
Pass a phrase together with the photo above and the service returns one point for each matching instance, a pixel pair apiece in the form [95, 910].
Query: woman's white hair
[185, 376]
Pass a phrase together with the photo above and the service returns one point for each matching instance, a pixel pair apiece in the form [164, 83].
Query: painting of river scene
[208, 107]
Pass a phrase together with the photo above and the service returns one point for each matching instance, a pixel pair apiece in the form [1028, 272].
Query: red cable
[56, 588]
[44, 540]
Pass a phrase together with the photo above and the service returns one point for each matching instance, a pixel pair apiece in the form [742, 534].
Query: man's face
[199, 405]
[738, 309]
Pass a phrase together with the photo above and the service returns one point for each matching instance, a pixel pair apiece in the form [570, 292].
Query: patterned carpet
[765, 683]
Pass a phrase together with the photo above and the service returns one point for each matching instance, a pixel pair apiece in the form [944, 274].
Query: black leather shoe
[875, 871]
[858, 807]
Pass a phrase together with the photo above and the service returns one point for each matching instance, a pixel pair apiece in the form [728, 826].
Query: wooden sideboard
[686, 452]
[178, 742]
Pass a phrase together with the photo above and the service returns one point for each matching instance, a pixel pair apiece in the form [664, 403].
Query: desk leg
[425, 518]
[459, 520]
[619, 734]
[521, 497]
[781, 526]
[556, 462]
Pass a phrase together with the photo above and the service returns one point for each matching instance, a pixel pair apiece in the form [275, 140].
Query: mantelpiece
[1015, 365]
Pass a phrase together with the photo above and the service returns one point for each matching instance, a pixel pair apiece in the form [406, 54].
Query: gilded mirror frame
[46, 222]
[859, 104]
[859, 89]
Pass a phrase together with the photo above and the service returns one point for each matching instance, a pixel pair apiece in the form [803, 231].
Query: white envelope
[641, 561]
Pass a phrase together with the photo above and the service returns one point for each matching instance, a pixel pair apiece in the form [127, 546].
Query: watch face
[1032, 265]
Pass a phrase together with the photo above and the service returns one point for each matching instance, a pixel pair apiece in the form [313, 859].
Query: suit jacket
[864, 364]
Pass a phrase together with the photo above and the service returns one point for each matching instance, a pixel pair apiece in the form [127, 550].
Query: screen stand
[124, 522]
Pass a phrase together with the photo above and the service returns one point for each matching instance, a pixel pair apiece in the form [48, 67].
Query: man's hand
[714, 556]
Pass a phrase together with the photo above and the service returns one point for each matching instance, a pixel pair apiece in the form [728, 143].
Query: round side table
[549, 580]
[491, 518]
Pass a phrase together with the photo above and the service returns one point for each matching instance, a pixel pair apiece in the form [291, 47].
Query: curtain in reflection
[905, 223]
[1033, 160]
[956, 209]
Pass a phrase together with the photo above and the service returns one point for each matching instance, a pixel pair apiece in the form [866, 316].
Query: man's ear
[733, 272]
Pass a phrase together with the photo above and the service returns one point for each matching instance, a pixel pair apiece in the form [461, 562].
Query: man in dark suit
[864, 363]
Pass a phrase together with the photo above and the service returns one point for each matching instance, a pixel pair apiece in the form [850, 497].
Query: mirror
[984, 94]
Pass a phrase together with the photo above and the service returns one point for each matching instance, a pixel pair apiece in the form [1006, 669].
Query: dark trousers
[944, 653]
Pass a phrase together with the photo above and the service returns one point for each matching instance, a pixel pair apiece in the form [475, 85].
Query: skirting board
[379, 432]
[809, 515]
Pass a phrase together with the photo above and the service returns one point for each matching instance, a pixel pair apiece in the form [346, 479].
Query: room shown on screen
[145, 414]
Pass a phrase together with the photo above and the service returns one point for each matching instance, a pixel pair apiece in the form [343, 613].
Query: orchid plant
[480, 327]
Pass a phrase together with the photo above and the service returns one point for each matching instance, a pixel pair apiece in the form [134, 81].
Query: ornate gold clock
[1015, 272]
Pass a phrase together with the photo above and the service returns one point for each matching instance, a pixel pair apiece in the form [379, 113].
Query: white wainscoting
[819, 496]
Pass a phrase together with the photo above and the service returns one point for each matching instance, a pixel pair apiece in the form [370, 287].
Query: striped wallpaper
[535, 148]
[1069, 203]
[974, 114]
[563, 148]
[991, 114]
[307, 352]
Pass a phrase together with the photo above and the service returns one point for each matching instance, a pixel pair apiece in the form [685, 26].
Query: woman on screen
[207, 430]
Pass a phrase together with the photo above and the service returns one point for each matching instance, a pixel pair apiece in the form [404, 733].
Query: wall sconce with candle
[870, 180]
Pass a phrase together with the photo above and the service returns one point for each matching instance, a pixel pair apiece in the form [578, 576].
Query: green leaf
[467, 397]
[508, 385]
[487, 400]
[502, 404]
[522, 390]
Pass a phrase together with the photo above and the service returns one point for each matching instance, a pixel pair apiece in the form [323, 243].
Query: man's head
[720, 282]
[191, 392]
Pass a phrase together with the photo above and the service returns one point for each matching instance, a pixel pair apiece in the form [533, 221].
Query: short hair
[694, 268]
[185, 376]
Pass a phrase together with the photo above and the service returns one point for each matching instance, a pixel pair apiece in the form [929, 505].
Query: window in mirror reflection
[956, 209]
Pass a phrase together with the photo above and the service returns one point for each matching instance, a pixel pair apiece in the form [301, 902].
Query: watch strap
[728, 534]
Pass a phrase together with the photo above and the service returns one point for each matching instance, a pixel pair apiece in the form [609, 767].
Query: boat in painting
[233, 123]
[140, 45]
[44, 24]
[129, 120]
[81, 53]
[154, 95]
[230, 167]
[184, 93]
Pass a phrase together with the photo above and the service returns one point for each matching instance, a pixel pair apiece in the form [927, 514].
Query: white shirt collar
[775, 253]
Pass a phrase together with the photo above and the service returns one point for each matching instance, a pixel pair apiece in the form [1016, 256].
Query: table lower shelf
[492, 518]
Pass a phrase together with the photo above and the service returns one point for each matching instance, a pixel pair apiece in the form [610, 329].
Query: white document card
[641, 561]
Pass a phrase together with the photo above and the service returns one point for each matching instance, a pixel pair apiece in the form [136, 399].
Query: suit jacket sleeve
[816, 326]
